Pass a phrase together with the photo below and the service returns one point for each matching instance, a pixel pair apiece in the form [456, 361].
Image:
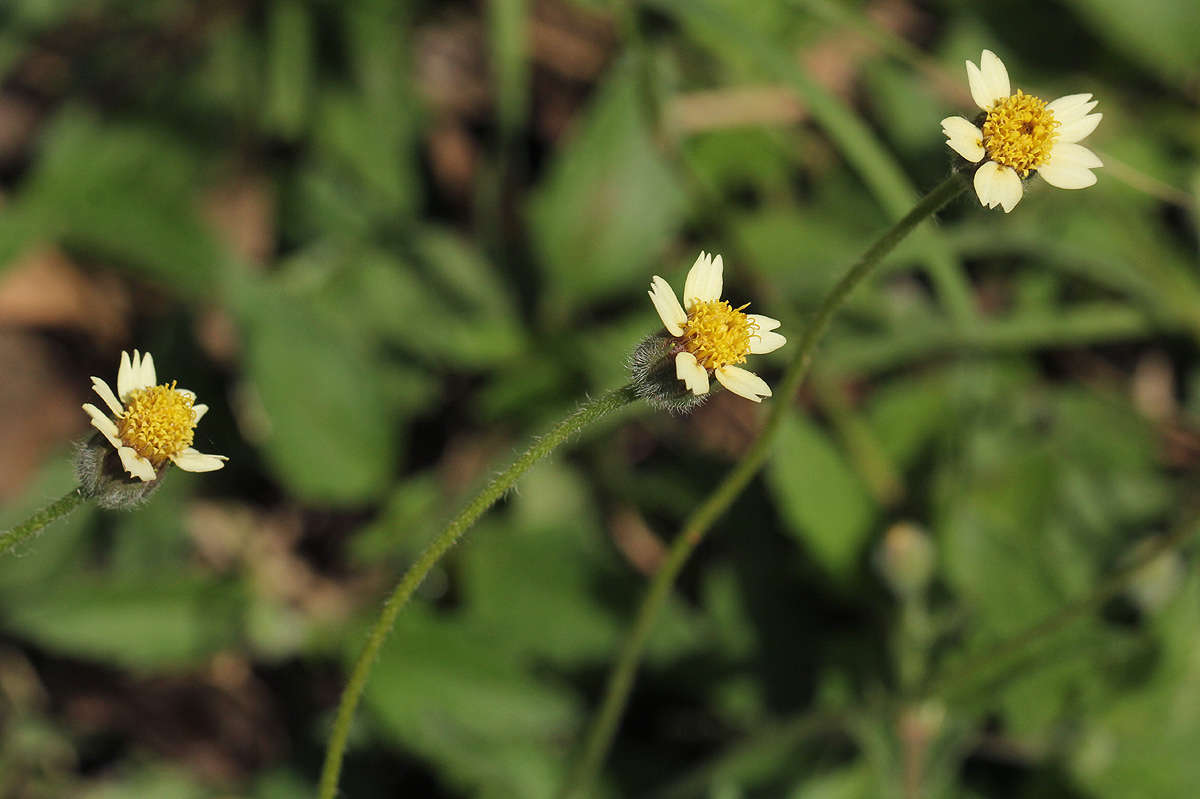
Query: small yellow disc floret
[718, 334]
[158, 422]
[1019, 132]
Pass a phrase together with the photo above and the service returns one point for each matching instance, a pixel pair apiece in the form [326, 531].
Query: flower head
[1019, 133]
[151, 424]
[711, 336]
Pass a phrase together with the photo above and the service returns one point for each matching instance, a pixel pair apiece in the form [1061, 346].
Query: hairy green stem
[12, 538]
[620, 681]
[584, 415]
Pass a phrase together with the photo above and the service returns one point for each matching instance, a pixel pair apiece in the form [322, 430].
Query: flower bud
[905, 559]
[104, 480]
[652, 366]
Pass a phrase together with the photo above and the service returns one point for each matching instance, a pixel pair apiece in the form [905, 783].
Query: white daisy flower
[153, 423]
[711, 336]
[1020, 134]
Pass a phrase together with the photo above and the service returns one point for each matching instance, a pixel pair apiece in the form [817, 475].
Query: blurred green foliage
[415, 316]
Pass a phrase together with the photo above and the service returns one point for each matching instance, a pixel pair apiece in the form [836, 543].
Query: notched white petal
[693, 375]
[1067, 176]
[136, 465]
[743, 383]
[147, 377]
[1007, 189]
[765, 341]
[1072, 107]
[125, 374]
[1076, 155]
[102, 423]
[1070, 167]
[964, 138]
[192, 461]
[198, 412]
[1077, 130]
[995, 75]
[985, 182]
[667, 304]
[704, 281]
[106, 394]
[979, 89]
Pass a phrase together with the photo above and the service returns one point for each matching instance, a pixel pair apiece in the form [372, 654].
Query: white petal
[765, 341]
[979, 90]
[704, 281]
[693, 375]
[963, 138]
[995, 76]
[103, 424]
[1067, 176]
[136, 465]
[697, 275]
[1074, 154]
[985, 179]
[106, 394]
[1070, 166]
[1006, 188]
[125, 375]
[148, 376]
[743, 383]
[763, 322]
[1078, 130]
[667, 304]
[1071, 107]
[192, 461]
[199, 411]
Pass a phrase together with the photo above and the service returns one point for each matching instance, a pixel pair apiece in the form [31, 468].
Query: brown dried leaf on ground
[44, 288]
[40, 406]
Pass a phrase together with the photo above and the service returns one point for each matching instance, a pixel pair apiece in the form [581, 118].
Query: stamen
[1019, 132]
[158, 422]
[718, 335]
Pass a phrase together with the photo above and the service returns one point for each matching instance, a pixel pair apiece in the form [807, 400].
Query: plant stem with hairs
[603, 728]
[32, 526]
[584, 415]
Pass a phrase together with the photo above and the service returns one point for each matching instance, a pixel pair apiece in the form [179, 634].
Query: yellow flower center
[717, 334]
[1019, 132]
[158, 422]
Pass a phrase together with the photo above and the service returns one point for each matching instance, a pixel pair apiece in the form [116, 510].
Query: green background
[388, 242]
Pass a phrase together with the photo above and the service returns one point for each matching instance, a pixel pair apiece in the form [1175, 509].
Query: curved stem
[620, 681]
[35, 523]
[582, 416]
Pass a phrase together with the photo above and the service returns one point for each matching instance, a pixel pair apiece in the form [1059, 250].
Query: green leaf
[450, 693]
[169, 619]
[821, 499]
[124, 192]
[1144, 744]
[906, 415]
[610, 204]
[329, 434]
[443, 307]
